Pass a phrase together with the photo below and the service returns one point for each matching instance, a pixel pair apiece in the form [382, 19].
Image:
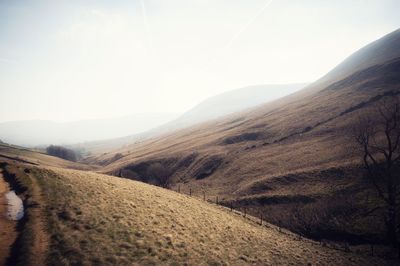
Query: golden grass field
[95, 219]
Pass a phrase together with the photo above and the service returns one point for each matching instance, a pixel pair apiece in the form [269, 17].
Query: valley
[292, 173]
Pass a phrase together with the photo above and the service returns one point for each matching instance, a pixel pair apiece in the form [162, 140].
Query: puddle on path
[15, 206]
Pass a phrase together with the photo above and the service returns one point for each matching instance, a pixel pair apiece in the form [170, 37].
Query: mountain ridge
[305, 132]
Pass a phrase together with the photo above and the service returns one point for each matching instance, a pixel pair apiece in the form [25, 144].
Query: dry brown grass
[296, 134]
[98, 219]
[307, 132]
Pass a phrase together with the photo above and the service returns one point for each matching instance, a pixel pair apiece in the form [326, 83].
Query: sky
[73, 60]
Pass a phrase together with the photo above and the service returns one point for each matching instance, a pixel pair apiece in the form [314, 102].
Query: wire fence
[366, 249]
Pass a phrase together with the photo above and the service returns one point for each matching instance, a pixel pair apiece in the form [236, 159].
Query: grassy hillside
[103, 220]
[308, 132]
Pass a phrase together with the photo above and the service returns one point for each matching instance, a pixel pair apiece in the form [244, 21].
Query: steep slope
[304, 134]
[103, 220]
[375, 53]
[317, 119]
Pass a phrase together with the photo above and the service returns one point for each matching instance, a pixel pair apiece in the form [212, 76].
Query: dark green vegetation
[62, 152]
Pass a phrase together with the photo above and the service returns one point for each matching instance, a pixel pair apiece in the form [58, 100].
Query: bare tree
[378, 136]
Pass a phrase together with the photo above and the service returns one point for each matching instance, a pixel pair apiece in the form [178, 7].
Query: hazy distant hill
[230, 102]
[211, 108]
[40, 132]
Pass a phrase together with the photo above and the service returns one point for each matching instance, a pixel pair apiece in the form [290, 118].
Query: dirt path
[8, 232]
[41, 241]
[32, 238]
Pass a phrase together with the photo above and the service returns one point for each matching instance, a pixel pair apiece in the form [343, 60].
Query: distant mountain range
[105, 134]
[40, 132]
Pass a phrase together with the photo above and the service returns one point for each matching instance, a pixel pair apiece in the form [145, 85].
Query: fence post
[216, 200]
[231, 206]
[244, 211]
[179, 189]
[190, 191]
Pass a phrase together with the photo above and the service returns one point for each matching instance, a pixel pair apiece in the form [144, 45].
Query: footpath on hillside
[24, 240]
[8, 228]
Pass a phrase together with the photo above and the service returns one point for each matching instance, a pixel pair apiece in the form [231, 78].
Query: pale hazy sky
[70, 60]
